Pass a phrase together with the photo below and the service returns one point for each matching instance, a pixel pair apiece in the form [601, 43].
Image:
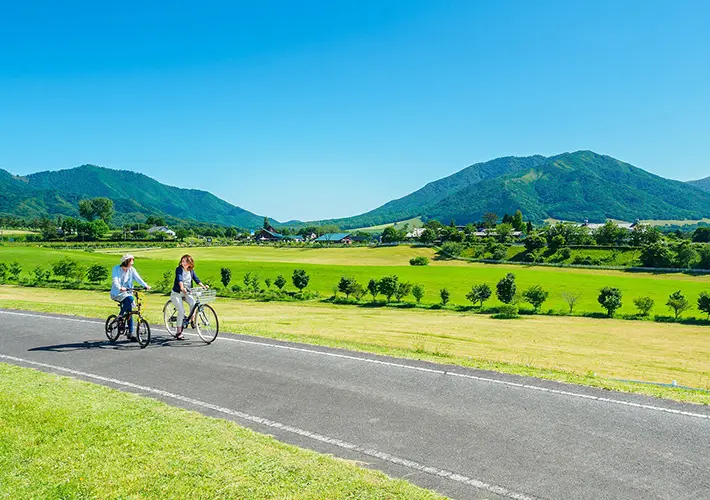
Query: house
[629, 226]
[343, 238]
[162, 229]
[268, 235]
[415, 233]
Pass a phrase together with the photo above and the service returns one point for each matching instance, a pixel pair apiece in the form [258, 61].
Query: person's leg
[190, 302]
[126, 307]
[176, 299]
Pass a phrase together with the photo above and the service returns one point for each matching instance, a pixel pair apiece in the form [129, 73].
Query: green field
[15, 232]
[569, 349]
[326, 266]
[411, 223]
[62, 438]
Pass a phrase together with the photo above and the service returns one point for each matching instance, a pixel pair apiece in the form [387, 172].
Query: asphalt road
[464, 433]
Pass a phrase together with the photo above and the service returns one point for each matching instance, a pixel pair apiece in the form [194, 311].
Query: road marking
[418, 368]
[491, 488]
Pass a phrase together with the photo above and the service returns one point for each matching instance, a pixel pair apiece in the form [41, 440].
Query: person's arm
[178, 275]
[116, 279]
[137, 277]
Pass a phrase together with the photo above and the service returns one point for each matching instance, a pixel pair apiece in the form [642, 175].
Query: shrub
[225, 276]
[165, 284]
[610, 299]
[268, 283]
[40, 274]
[387, 286]
[280, 282]
[97, 272]
[3, 271]
[479, 293]
[14, 270]
[565, 253]
[403, 289]
[506, 289]
[452, 249]
[358, 291]
[507, 311]
[419, 261]
[418, 293]
[536, 296]
[300, 279]
[678, 303]
[644, 305]
[704, 303]
[445, 296]
[65, 267]
[347, 286]
[236, 288]
[373, 288]
[500, 252]
[571, 298]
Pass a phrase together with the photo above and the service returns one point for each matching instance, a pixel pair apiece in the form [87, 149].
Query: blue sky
[325, 109]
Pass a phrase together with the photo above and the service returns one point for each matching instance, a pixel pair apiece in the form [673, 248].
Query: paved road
[464, 433]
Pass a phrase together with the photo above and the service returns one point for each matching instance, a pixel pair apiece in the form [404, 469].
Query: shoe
[131, 337]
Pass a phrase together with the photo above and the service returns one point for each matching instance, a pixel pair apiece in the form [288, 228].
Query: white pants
[176, 298]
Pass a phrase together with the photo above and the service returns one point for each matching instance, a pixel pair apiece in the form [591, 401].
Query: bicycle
[118, 325]
[201, 316]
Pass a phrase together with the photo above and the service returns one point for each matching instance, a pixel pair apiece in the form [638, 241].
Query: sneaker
[131, 337]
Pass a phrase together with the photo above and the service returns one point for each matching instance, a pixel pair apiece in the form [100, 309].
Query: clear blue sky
[325, 109]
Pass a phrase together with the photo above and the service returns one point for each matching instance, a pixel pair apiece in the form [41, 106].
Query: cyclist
[122, 277]
[184, 277]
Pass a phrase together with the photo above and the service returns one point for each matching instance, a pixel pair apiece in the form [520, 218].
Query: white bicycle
[201, 316]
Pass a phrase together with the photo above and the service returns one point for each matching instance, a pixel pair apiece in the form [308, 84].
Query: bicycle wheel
[143, 333]
[207, 324]
[112, 331]
[170, 318]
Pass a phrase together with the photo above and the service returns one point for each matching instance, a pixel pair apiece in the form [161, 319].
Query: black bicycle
[201, 316]
[117, 325]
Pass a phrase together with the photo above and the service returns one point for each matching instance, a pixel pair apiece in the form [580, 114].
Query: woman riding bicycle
[184, 277]
[122, 277]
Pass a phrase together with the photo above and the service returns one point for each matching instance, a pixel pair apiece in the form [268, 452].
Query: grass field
[326, 266]
[411, 224]
[62, 438]
[15, 232]
[560, 348]
[685, 222]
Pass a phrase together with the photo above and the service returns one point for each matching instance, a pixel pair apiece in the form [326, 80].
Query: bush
[403, 289]
[610, 299]
[571, 298]
[280, 282]
[418, 293]
[506, 289]
[65, 267]
[644, 305]
[565, 253]
[97, 272]
[225, 276]
[536, 296]
[445, 296]
[373, 288]
[165, 284]
[452, 249]
[387, 286]
[3, 271]
[704, 303]
[14, 271]
[500, 252]
[678, 303]
[507, 311]
[40, 274]
[300, 279]
[479, 293]
[347, 286]
[419, 261]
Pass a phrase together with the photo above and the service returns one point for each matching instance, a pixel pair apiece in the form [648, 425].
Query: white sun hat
[126, 257]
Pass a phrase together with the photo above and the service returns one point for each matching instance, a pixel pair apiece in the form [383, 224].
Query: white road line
[491, 488]
[422, 369]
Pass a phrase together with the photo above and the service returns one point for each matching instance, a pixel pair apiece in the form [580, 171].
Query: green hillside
[134, 195]
[703, 184]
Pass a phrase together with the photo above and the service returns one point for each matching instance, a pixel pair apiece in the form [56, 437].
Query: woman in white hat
[122, 277]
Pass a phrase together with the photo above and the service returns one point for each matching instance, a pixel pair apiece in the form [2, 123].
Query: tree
[686, 255]
[65, 267]
[517, 221]
[388, 286]
[14, 270]
[656, 255]
[506, 288]
[418, 293]
[96, 207]
[390, 235]
[40, 274]
[504, 231]
[268, 282]
[529, 227]
[609, 234]
[704, 303]
[86, 210]
[347, 286]
[571, 298]
[3, 271]
[610, 299]
[444, 295]
[678, 303]
[534, 242]
[643, 234]
[428, 236]
[644, 305]
[403, 289]
[373, 287]
[225, 276]
[479, 293]
[300, 279]
[280, 282]
[181, 233]
[97, 272]
[536, 296]
[490, 219]
[702, 235]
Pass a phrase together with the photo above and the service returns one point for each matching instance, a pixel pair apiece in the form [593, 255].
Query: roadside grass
[577, 350]
[327, 266]
[62, 438]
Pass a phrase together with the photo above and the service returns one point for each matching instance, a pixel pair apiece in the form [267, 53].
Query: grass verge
[62, 438]
[584, 351]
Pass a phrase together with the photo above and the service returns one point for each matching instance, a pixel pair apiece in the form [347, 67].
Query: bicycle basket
[205, 296]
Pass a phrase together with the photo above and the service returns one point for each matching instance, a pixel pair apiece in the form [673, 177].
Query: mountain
[134, 195]
[703, 184]
[571, 186]
[419, 202]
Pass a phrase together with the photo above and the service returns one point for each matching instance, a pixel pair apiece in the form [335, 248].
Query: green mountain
[135, 196]
[703, 184]
[419, 202]
[570, 186]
